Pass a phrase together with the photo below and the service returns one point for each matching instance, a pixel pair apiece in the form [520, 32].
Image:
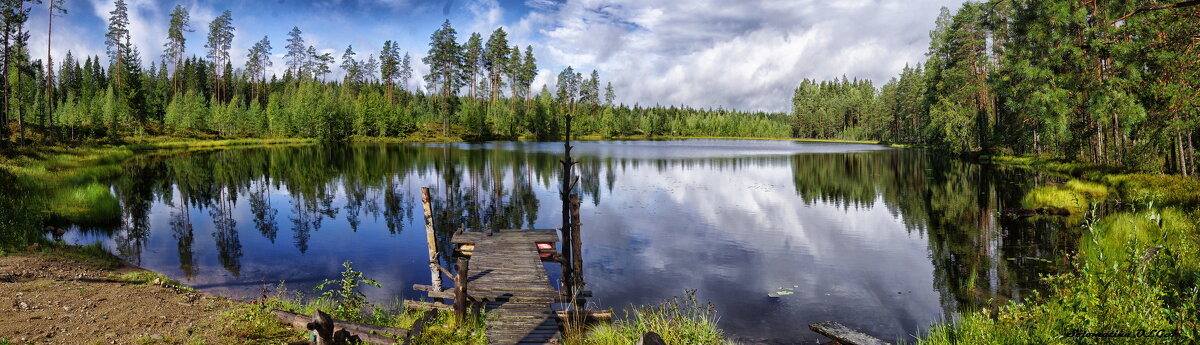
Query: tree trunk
[1182, 158]
[118, 65]
[4, 86]
[49, 67]
[20, 74]
[1191, 153]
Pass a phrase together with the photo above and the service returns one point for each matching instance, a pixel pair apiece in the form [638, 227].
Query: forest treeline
[478, 88]
[1109, 82]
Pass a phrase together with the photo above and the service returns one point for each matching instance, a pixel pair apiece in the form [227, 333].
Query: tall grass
[679, 320]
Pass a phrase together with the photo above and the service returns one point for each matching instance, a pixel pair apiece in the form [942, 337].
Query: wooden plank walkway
[507, 276]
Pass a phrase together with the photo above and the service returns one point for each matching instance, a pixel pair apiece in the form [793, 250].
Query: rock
[156, 336]
[651, 338]
[23, 305]
[157, 281]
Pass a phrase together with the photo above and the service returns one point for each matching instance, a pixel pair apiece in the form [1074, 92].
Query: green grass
[253, 324]
[680, 320]
[90, 204]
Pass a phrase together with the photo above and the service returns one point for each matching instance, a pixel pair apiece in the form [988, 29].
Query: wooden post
[435, 276]
[567, 186]
[460, 291]
[576, 245]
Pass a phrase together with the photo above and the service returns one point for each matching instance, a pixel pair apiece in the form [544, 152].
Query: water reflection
[883, 240]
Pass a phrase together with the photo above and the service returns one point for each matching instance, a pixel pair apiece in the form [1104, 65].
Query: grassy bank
[1136, 276]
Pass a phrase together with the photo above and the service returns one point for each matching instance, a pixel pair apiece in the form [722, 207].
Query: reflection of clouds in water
[738, 235]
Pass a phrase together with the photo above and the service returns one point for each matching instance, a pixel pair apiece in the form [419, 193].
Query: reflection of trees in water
[225, 233]
[264, 214]
[181, 228]
[302, 224]
[396, 205]
[978, 254]
[476, 188]
[136, 195]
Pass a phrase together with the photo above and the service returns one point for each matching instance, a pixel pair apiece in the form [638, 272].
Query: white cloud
[748, 55]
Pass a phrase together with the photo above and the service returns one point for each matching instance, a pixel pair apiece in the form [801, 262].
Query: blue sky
[746, 54]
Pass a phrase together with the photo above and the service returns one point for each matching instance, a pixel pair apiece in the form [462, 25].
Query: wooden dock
[506, 276]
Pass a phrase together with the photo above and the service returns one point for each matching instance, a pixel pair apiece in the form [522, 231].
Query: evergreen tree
[117, 38]
[173, 49]
[220, 38]
[295, 51]
[445, 75]
[495, 57]
[473, 61]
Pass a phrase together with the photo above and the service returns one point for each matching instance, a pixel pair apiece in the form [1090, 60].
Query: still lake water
[776, 234]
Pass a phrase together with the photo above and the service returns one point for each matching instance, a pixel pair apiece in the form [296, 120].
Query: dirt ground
[46, 300]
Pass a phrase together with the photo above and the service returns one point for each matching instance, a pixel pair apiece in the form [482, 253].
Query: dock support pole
[576, 246]
[435, 275]
[568, 184]
[460, 291]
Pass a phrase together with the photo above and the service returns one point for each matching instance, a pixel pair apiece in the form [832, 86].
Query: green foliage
[472, 116]
[350, 301]
[187, 112]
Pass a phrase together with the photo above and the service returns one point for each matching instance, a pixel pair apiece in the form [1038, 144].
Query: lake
[776, 234]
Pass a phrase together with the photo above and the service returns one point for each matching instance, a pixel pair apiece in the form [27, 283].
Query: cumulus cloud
[746, 55]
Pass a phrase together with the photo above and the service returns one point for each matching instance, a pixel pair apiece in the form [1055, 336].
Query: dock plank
[507, 275]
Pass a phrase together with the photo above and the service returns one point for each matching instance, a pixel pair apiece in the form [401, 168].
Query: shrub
[350, 301]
